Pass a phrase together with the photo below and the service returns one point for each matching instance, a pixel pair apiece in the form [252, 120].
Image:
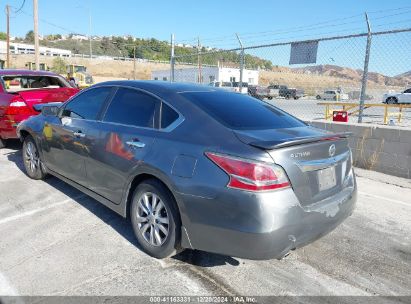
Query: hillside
[355, 75]
[151, 49]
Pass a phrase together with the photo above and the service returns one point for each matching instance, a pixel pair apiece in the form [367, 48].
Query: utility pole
[36, 34]
[8, 36]
[199, 61]
[89, 31]
[241, 62]
[134, 62]
[172, 59]
[365, 72]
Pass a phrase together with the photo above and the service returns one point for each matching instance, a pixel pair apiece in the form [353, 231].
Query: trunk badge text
[300, 154]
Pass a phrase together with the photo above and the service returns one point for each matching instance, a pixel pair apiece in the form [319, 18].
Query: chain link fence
[333, 82]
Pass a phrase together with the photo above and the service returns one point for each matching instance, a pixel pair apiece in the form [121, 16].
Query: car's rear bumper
[266, 225]
[8, 126]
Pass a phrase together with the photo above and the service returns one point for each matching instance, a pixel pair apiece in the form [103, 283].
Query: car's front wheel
[155, 219]
[31, 159]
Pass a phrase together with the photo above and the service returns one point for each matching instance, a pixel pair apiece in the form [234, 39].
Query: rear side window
[132, 107]
[241, 112]
[168, 115]
[88, 104]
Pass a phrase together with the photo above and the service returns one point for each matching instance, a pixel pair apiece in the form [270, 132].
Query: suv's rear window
[241, 112]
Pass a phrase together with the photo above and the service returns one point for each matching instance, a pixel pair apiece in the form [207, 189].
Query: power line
[20, 8]
[314, 26]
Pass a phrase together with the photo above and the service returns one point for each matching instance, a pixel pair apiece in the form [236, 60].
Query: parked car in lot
[244, 87]
[225, 85]
[332, 95]
[273, 91]
[289, 93]
[195, 167]
[396, 98]
[230, 86]
[257, 91]
[21, 90]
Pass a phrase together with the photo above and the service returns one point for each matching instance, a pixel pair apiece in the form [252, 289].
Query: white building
[79, 37]
[23, 48]
[208, 75]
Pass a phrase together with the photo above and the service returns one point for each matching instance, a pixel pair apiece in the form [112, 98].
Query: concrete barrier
[384, 149]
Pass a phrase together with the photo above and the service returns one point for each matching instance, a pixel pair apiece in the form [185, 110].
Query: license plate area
[326, 178]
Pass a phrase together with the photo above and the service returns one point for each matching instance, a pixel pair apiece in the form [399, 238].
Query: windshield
[18, 83]
[80, 68]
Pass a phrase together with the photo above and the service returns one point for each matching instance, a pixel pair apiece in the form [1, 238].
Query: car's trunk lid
[316, 162]
[36, 96]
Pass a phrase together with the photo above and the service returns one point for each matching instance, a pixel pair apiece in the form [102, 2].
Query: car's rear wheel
[2, 143]
[318, 97]
[392, 100]
[155, 219]
[31, 159]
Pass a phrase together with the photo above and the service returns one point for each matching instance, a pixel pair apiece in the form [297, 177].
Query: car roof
[11, 72]
[161, 86]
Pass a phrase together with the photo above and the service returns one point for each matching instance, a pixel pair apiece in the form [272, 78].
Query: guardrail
[347, 106]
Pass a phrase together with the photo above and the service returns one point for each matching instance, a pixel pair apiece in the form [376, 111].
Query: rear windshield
[18, 83]
[241, 112]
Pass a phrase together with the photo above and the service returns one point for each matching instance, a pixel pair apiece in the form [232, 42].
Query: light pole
[89, 26]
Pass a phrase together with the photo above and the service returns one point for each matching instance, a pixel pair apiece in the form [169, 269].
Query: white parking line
[385, 198]
[31, 212]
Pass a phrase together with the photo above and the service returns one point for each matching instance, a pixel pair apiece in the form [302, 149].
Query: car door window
[407, 91]
[168, 115]
[88, 104]
[132, 107]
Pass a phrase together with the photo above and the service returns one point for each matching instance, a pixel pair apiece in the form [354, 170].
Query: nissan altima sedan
[196, 167]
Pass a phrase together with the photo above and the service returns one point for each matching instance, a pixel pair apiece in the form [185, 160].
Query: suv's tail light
[250, 175]
[18, 106]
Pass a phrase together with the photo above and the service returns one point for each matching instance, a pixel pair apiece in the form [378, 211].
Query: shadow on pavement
[117, 222]
[205, 259]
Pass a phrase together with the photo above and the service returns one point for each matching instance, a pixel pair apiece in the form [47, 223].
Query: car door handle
[135, 144]
[79, 134]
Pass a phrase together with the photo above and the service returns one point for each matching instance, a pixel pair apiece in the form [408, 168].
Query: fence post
[241, 63]
[365, 72]
[172, 63]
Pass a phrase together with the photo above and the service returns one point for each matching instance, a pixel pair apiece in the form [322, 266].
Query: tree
[3, 36]
[59, 65]
[30, 36]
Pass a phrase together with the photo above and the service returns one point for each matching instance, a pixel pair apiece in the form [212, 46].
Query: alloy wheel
[31, 157]
[152, 219]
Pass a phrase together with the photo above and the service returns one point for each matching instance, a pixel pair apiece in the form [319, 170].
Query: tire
[391, 100]
[270, 97]
[157, 238]
[2, 143]
[31, 159]
[318, 97]
[287, 96]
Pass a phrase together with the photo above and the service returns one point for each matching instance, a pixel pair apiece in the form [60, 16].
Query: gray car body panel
[214, 218]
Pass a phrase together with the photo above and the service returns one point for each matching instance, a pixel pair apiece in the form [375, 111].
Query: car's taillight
[250, 175]
[17, 107]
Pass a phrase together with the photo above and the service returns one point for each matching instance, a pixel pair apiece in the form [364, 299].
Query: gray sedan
[196, 167]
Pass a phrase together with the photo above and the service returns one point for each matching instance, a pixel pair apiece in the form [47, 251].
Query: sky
[216, 22]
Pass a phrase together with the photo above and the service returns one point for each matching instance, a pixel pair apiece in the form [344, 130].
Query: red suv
[21, 90]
